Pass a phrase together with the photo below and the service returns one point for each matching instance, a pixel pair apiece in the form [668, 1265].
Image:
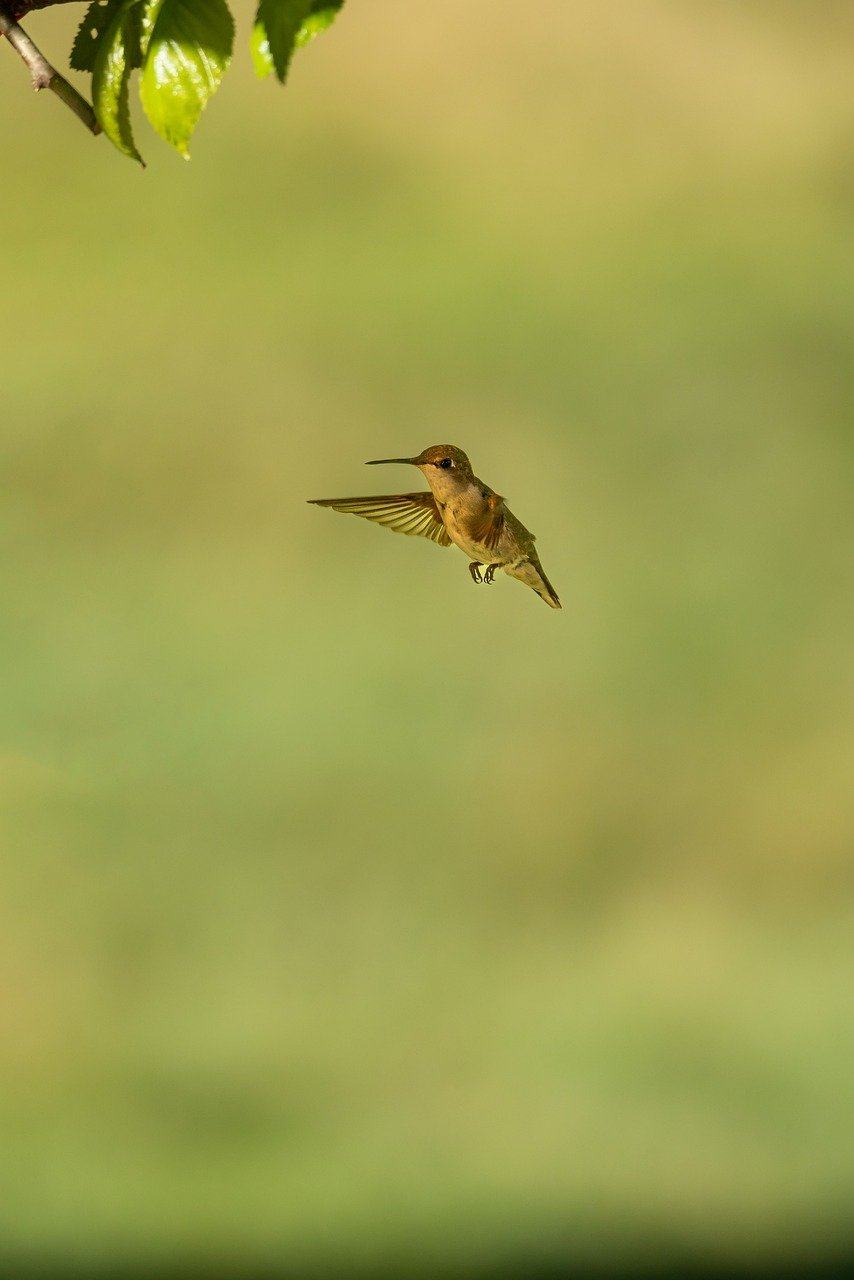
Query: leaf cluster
[180, 50]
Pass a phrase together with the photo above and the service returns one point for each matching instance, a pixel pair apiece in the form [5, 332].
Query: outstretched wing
[412, 513]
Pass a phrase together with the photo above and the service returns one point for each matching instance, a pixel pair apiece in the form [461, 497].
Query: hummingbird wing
[412, 513]
[488, 529]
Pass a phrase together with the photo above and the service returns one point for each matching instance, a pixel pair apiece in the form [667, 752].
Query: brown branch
[42, 74]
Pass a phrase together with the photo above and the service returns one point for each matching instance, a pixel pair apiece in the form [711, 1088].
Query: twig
[42, 74]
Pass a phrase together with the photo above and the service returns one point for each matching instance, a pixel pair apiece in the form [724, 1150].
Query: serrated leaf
[186, 50]
[117, 55]
[150, 10]
[91, 31]
[281, 26]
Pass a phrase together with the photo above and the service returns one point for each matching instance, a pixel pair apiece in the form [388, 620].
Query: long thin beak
[378, 462]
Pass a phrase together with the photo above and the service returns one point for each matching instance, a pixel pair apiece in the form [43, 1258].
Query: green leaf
[259, 49]
[186, 50]
[116, 56]
[281, 26]
[91, 31]
[150, 11]
[323, 14]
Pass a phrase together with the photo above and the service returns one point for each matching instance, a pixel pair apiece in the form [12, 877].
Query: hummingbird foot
[490, 573]
[474, 570]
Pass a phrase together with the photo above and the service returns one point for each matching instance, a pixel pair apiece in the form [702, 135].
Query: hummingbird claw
[474, 570]
[490, 574]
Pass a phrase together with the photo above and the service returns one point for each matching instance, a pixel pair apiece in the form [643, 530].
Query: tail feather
[530, 571]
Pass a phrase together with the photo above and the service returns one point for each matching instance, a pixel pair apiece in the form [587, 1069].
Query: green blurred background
[350, 915]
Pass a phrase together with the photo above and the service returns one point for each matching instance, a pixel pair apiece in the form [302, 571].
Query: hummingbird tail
[530, 571]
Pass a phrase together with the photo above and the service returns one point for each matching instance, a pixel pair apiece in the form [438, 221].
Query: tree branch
[42, 74]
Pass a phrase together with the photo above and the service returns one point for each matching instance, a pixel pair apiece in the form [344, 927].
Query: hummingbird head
[434, 461]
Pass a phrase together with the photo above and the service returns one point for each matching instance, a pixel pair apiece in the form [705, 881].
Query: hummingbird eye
[446, 462]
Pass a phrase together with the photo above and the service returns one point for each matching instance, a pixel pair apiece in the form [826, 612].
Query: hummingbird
[458, 509]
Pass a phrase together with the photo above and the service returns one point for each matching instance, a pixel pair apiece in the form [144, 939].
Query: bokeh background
[351, 916]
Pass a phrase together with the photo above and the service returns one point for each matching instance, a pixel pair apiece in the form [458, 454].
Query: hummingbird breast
[473, 517]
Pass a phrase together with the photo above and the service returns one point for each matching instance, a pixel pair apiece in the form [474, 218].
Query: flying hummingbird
[459, 509]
